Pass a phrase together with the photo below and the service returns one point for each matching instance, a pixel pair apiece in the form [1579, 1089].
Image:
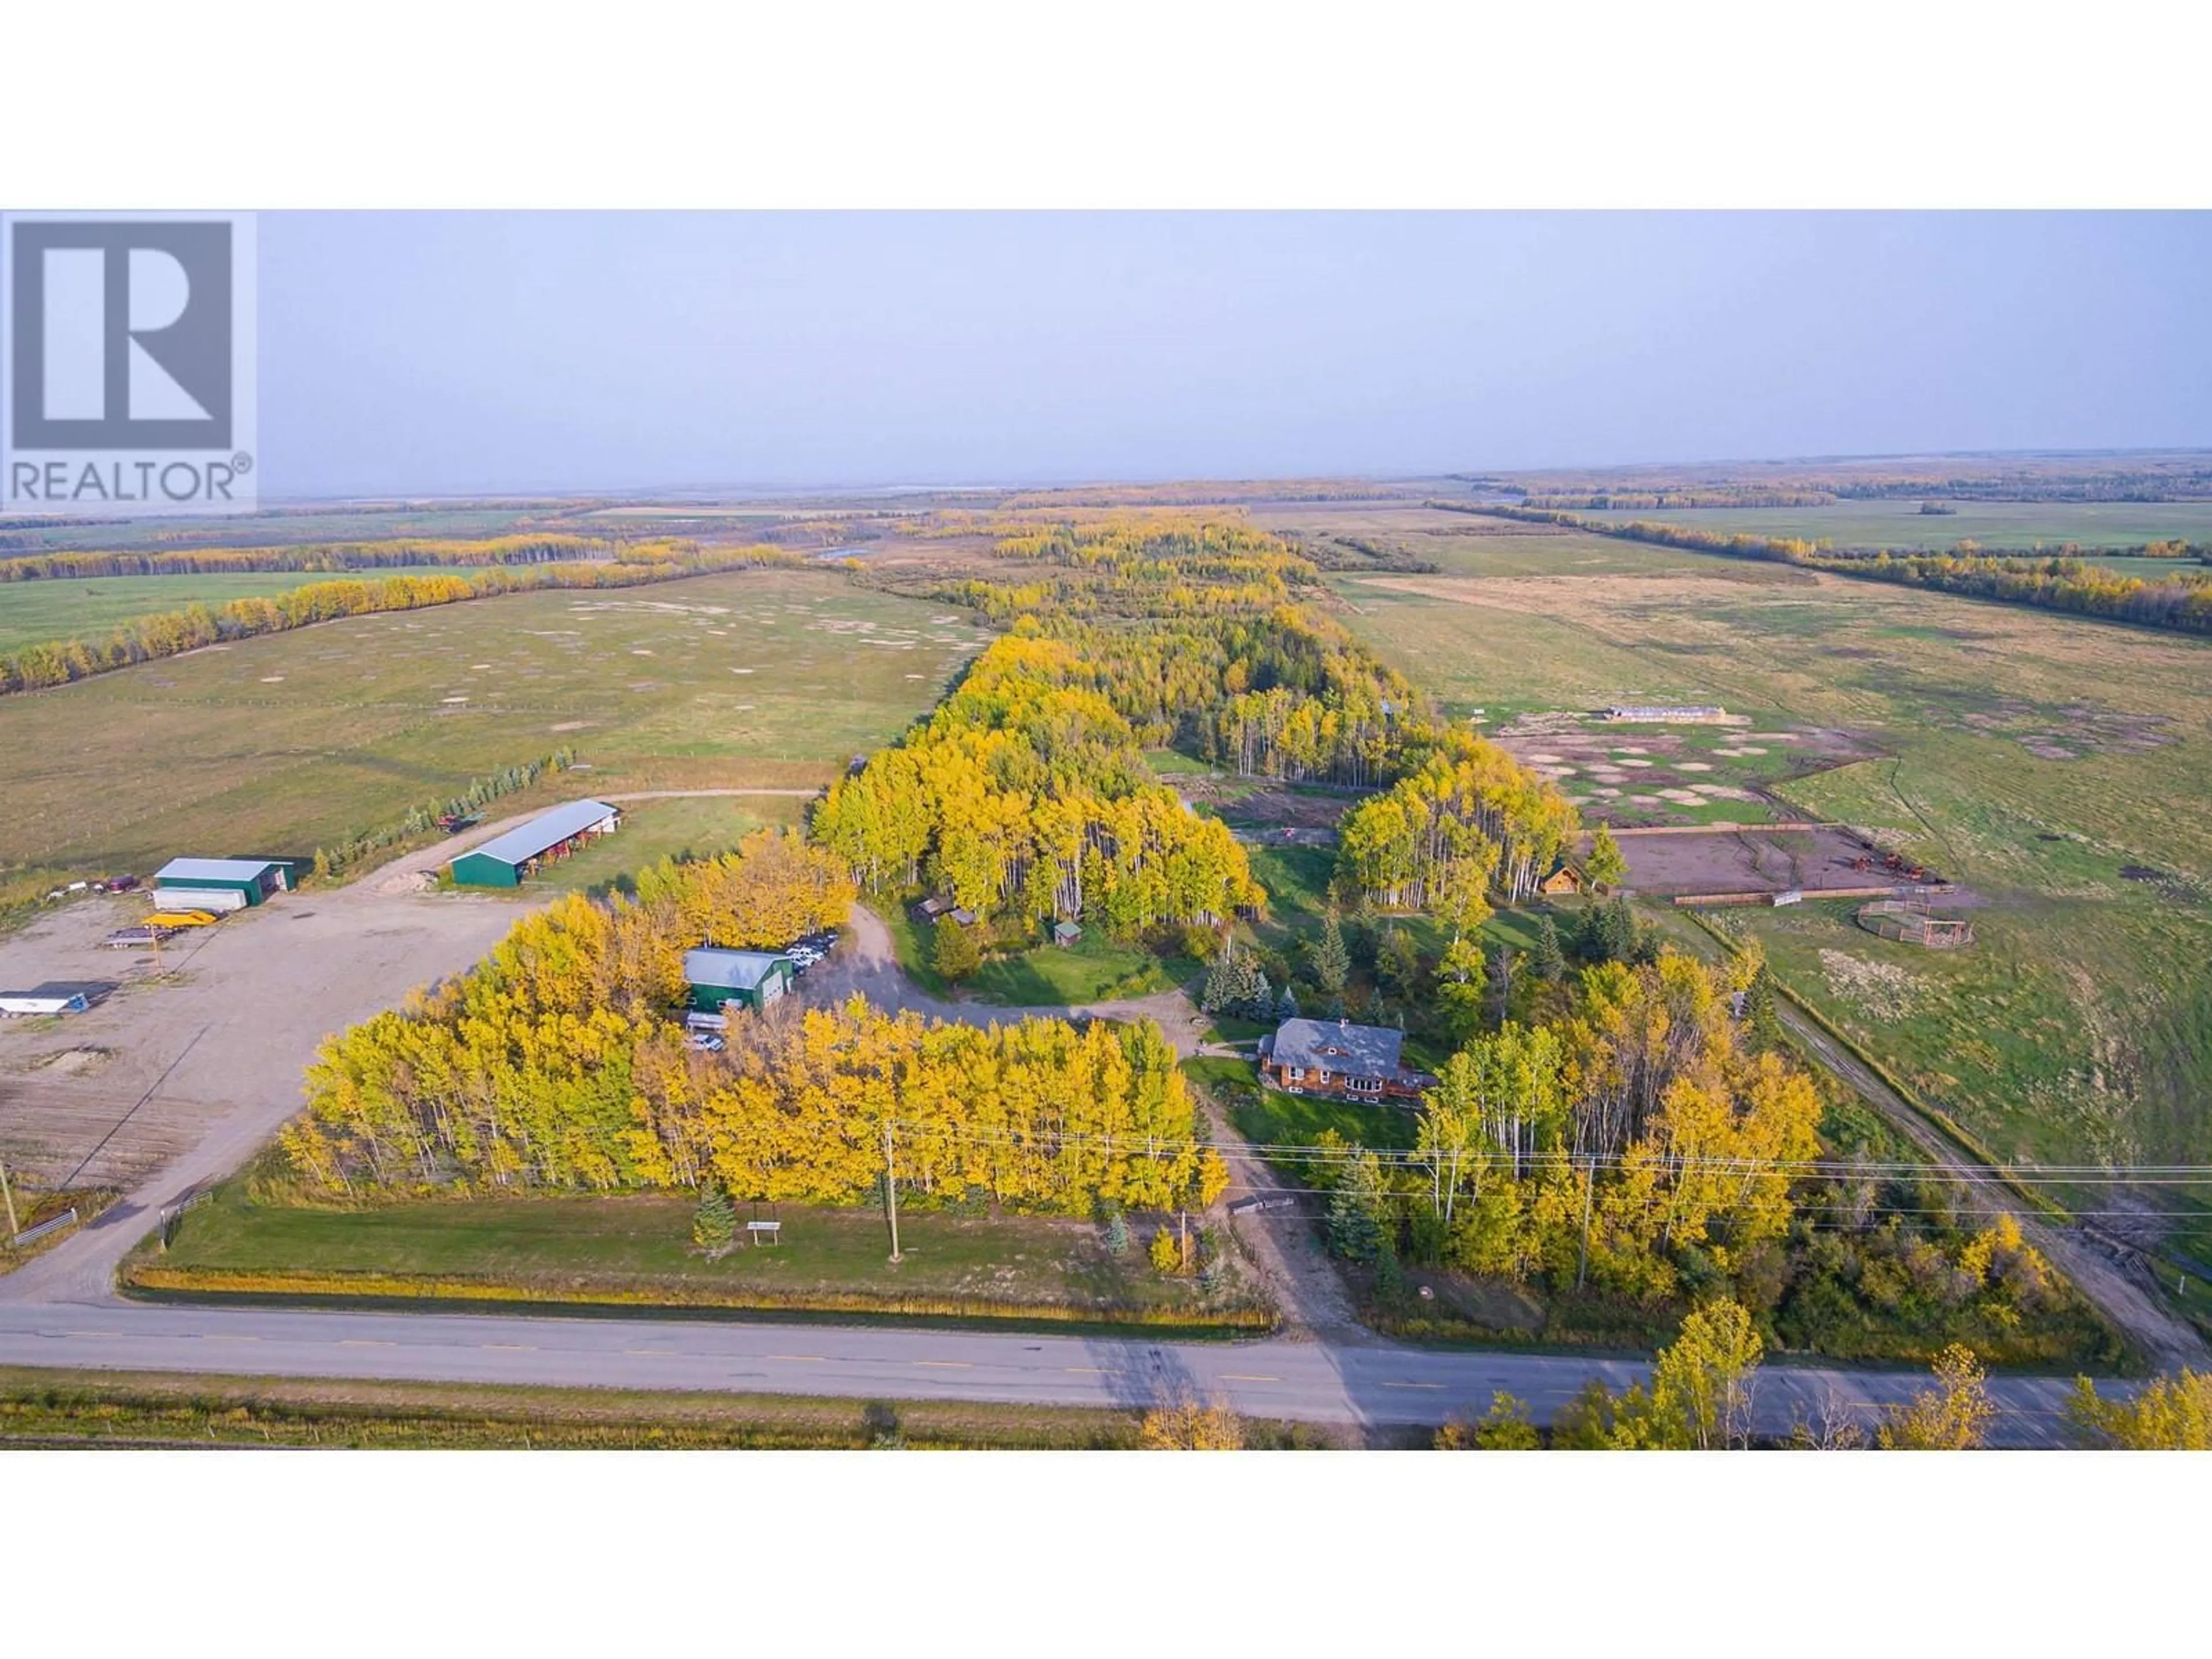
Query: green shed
[505, 860]
[219, 884]
[751, 979]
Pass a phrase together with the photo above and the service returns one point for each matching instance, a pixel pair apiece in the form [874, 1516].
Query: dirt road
[864, 962]
[2109, 1287]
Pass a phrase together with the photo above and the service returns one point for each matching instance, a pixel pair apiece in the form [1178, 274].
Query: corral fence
[1909, 922]
[1799, 895]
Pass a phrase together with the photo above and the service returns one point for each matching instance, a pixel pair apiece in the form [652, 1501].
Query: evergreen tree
[1355, 1211]
[1328, 959]
[1117, 1234]
[953, 950]
[1550, 958]
[714, 1223]
[1287, 1005]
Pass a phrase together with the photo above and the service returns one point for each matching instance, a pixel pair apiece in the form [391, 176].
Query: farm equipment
[126, 939]
[176, 920]
[454, 822]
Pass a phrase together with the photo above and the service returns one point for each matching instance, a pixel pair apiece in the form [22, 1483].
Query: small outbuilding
[506, 861]
[45, 1000]
[218, 885]
[1561, 881]
[1065, 933]
[751, 979]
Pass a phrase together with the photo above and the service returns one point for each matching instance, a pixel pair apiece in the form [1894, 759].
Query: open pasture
[1998, 527]
[83, 608]
[2057, 767]
[281, 744]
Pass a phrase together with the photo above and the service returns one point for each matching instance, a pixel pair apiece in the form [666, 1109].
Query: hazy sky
[442, 353]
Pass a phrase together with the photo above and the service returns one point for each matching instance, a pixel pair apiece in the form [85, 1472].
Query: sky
[458, 353]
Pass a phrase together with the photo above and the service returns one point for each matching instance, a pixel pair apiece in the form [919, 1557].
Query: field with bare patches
[283, 744]
[2057, 767]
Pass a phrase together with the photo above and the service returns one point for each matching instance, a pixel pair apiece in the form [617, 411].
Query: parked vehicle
[707, 1043]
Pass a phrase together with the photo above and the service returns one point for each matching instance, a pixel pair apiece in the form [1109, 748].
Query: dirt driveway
[864, 962]
[191, 1062]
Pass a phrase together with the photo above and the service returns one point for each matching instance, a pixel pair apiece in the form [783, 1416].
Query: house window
[1294, 1072]
[1367, 1085]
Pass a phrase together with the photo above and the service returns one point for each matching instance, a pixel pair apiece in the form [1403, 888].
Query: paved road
[1371, 1384]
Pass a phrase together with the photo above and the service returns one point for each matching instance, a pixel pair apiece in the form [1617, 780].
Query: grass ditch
[139, 1410]
[634, 1256]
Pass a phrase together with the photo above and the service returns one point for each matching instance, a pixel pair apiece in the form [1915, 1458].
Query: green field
[281, 744]
[2033, 756]
[32, 613]
[639, 1249]
[2013, 526]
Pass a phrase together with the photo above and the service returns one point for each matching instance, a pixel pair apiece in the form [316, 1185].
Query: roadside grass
[154, 1409]
[277, 744]
[636, 1252]
[91, 607]
[2073, 1031]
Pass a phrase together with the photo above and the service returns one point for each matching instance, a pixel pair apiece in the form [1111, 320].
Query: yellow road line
[800, 1358]
[1241, 1376]
[947, 1364]
[1413, 1385]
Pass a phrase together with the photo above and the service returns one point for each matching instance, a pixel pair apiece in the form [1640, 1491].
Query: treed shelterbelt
[500, 567]
[1027, 793]
[558, 1064]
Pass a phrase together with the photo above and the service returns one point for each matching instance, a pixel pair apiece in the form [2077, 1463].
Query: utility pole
[1589, 1183]
[890, 1188]
[7, 1193]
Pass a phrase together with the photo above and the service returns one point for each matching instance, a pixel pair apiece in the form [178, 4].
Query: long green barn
[506, 860]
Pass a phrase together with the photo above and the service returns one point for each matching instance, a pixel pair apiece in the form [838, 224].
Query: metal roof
[185, 872]
[1338, 1046]
[729, 970]
[519, 846]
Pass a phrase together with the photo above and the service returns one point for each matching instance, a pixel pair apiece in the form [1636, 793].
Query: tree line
[334, 556]
[170, 633]
[558, 1063]
[1131, 633]
[2182, 602]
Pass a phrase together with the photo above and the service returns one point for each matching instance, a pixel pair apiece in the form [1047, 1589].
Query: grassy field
[2008, 525]
[764, 678]
[2035, 758]
[33, 612]
[1093, 969]
[1268, 1117]
[637, 1251]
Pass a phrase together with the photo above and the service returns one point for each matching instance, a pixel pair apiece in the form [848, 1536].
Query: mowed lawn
[2056, 766]
[566, 1244]
[281, 744]
[90, 607]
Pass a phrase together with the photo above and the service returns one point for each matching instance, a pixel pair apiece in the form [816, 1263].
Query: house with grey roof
[1335, 1057]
